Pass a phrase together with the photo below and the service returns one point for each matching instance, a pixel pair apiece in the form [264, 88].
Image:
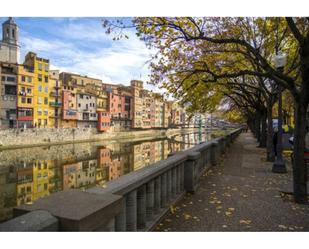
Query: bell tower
[9, 46]
[10, 32]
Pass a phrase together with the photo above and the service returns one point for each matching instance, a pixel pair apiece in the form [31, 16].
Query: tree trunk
[263, 134]
[270, 133]
[257, 127]
[299, 166]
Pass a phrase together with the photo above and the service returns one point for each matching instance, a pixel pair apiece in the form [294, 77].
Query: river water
[32, 173]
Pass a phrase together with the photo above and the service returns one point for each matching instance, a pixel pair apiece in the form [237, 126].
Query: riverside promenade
[240, 194]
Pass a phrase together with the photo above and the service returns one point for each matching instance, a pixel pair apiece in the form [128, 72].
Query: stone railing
[135, 202]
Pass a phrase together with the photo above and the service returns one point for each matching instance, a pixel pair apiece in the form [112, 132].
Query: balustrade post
[120, 220]
[157, 194]
[174, 182]
[178, 179]
[141, 207]
[163, 189]
[214, 153]
[190, 171]
[182, 176]
[150, 199]
[169, 185]
[131, 211]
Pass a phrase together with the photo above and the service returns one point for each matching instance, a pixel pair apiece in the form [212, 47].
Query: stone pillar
[182, 175]
[174, 182]
[169, 185]
[190, 172]
[111, 225]
[141, 207]
[131, 211]
[214, 153]
[178, 174]
[163, 189]
[150, 200]
[157, 194]
[120, 220]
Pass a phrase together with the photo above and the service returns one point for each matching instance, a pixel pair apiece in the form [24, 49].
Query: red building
[104, 121]
[120, 106]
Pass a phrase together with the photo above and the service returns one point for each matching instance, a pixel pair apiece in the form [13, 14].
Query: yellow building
[55, 100]
[25, 78]
[41, 91]
[41, 179]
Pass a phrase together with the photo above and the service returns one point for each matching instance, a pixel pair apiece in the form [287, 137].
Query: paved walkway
[240, 194]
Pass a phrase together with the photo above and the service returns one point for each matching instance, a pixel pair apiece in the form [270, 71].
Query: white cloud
[112, 61]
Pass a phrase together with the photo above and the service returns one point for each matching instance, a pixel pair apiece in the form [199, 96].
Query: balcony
[55, 104]
[55, 94]
[71, 113]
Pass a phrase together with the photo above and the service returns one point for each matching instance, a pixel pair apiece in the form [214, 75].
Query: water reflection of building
[80, 174]
[24, 186]
[148, 153]
[40, 178]
[8, 180]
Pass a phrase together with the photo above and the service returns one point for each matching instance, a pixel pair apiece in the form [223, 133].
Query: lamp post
[279, 165]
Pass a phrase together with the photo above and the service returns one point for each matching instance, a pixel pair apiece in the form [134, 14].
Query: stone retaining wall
[15, 138]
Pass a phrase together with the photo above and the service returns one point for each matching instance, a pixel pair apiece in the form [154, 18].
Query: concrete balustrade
[134, 202]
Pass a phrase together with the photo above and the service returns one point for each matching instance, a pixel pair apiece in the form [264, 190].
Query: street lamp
[279, 165]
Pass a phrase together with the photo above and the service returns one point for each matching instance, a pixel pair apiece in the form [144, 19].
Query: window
[46, 89]
[47, 68]
[23, 78]
[23, 100]
[40, 88]
[29, 100]
[3, 78]
[23, 89]
[45, 112]
[78, 104]
[29, 90]
[46, 79]
[10, 90]
[11, 78]
[13, 33]
[40, 67]
[29, 79]
[45, 100]
[40, 77]
[81, 96]
[39, 100]
[45, 121]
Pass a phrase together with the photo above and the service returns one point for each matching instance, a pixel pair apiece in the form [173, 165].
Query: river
[31, 173]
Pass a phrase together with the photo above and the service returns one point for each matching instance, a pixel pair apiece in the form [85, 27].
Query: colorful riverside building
[8, 95]
[40, 67]
[55, 100]
[25, 99]
[119, 106]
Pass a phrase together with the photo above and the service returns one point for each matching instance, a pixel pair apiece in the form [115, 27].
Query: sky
[80, 45]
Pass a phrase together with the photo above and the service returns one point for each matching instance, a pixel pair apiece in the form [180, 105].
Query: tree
[218, 50]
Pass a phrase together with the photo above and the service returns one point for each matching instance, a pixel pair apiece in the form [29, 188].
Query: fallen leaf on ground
[227, 213]
[231, 209]
[187, 216]
[224, 226]
[247, 222]
[282, 226]
[172, 209]
[218, 207]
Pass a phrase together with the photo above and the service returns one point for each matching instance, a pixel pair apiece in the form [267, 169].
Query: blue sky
[80, 45]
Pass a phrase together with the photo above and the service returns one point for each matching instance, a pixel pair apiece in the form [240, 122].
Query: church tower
[9, 46]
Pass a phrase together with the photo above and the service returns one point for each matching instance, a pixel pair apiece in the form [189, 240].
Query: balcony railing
[55, 104]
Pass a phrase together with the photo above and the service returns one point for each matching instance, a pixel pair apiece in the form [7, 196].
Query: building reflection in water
[30, 179]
